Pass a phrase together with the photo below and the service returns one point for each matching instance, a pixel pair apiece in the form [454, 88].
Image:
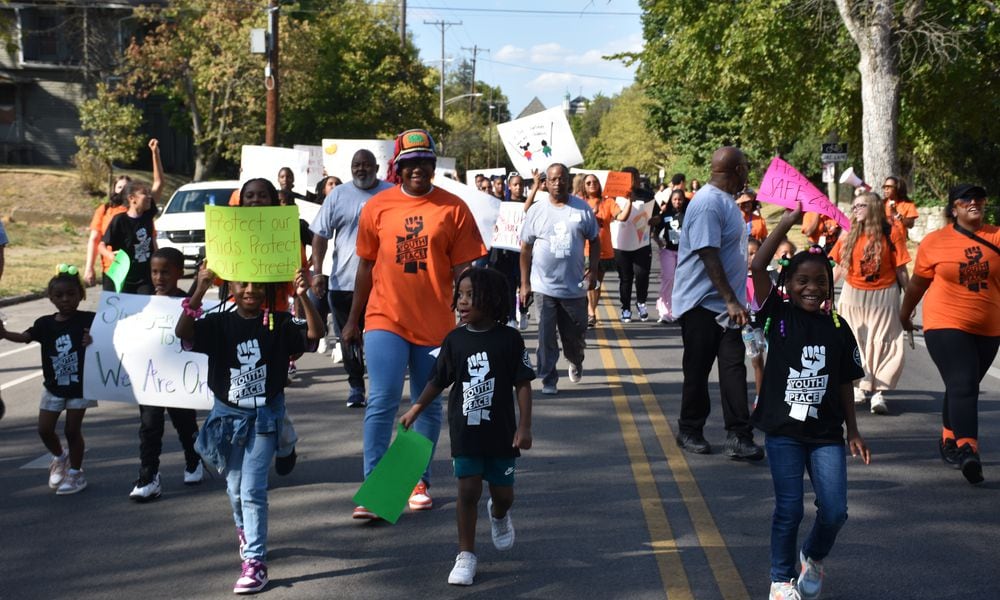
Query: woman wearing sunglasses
[958, 268]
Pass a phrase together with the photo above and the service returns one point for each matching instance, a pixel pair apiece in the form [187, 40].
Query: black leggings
[633, 265]
[963, 360]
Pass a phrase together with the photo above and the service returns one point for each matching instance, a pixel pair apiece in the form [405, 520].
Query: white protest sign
[632, 233]
[338, 154]
[445, 167]
[266, 161]
[484, 207]
[136, 358]
[308, 212]
[470, 175]
[314, 171]
[538, 140]
[507, 231]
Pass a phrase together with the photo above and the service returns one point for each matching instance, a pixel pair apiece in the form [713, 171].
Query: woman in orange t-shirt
[958, 267]
[605, 209]
[873, 257]
[756, 227]
[898, 206]
[414, 240]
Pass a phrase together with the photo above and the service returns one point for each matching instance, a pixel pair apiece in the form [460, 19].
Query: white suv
[181, 224]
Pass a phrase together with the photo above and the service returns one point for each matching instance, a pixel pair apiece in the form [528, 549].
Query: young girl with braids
[806, 398]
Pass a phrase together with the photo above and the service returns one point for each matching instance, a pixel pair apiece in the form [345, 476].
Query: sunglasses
[980, 200]
[888, 186]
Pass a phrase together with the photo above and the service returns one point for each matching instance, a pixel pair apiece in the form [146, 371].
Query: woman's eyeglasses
[858, 206]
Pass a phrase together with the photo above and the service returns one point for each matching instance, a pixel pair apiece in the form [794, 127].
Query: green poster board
[118, 269]
[388, 486]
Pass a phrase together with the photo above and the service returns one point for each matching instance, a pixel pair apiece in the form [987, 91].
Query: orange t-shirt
[965, 281]
[100, 221]
[827, 226]
[415, 242]
[866, 275]
[905, 208]
[605, 210]
[758, 228]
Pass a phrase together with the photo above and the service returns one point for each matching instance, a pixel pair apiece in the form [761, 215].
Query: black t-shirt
[62, 352]
[800, 394]
[135, 236]
[483, 366]
[247, 361]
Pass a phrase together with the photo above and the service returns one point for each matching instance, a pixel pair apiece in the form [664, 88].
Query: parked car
[181, 224]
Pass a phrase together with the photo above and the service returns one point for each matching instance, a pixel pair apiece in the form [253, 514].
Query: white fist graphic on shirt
[477, 393]
[805, 388]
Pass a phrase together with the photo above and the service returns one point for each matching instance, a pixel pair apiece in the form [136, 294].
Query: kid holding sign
[248, 352]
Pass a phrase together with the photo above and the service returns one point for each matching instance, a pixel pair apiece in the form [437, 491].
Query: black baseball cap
[966, 190]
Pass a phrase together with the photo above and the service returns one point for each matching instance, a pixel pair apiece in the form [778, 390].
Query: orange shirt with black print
[870, 274]
[605, 210]
[99, 223]
[415, 242]
[965, 281]
[827, 227]
[904, 208]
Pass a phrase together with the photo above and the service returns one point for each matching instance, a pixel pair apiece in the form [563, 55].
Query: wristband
[194, 313]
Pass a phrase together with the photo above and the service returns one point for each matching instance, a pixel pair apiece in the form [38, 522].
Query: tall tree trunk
[871, 28]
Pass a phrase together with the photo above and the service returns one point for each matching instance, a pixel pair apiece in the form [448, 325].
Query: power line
[506, 64]
[517, 11]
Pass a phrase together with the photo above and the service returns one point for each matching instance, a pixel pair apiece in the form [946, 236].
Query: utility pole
[402, 25]
[472, 86]
[271, 78]
[442, 25]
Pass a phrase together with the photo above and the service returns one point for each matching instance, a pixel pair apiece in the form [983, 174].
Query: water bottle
[753, 339]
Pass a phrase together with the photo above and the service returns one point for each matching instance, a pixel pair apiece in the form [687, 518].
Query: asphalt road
[607, 506]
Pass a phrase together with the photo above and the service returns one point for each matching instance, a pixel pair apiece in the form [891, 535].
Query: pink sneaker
[253, 578]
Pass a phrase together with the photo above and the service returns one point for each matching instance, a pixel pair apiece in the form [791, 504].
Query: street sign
[833, 152]
[828, 172]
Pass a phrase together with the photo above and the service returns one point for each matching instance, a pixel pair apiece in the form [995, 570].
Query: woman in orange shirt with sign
[872, 256]
[958, 268]
[414, 240]
[605, 209]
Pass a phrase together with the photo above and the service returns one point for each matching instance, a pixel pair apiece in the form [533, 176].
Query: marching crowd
[408, 258]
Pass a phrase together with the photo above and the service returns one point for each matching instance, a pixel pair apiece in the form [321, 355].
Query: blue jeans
[385, 391]
[827, 467]
[249, 438]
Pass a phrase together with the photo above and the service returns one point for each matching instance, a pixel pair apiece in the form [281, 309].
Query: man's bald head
[364, 169]
[729, 169]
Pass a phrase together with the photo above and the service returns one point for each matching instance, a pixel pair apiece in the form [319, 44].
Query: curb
[22, 298]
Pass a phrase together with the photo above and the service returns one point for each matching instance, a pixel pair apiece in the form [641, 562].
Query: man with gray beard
[339, 217]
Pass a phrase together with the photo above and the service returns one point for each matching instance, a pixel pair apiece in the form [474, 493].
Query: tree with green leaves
[111, 129]
[472, 137]
[625, 137]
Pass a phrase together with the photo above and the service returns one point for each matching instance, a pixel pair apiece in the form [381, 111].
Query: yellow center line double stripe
[672, 572]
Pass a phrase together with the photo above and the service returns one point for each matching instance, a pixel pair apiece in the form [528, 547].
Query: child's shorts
[52, 403]
[498, 471]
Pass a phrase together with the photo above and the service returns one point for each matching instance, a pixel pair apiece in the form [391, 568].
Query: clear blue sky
[555, 50]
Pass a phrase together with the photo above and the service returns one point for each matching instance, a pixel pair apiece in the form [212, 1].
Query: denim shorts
[52, 403]
[496, 470]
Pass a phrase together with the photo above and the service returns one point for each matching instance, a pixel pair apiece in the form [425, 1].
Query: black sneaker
[283, 465]
[741, 447]
[970, 464]
[949, 452]
[694, 443]
[3, 408]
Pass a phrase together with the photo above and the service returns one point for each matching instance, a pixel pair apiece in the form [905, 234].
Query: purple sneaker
[242, 539]
[253, 579]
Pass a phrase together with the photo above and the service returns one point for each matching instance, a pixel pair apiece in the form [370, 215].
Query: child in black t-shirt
[63, 337]
[248, 351]
[132, 233]
[805, 399]
[488, 358]
[166, 267]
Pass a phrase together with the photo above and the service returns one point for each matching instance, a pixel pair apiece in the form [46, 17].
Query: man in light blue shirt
[710, 297]
[338, 219]
[552, 268]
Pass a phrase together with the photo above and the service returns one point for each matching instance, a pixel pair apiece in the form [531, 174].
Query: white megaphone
[853, 180]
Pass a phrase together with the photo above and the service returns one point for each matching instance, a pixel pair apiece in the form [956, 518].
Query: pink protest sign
[783, 185]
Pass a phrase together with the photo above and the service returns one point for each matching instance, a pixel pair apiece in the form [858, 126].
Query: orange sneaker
[360, 512]
[420, 499]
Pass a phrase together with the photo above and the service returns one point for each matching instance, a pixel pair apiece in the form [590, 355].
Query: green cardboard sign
[259, 243]
[118, 269]
[389, 485]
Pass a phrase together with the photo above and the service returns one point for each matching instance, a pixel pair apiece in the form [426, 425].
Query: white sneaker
[464, 570]
[321, 347]
[626, 315]
[73, 483]
[810, 581]
[146, 492]
[57, 470]
[337, 354]
[879, 406]
[575, 372]
[784, 590]
[859, 396]
[502, 530]
[643, 313]
[550, 390]
[194, 477]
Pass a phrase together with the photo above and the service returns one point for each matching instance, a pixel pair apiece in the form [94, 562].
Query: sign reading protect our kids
[135, 356]
[259, 244]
